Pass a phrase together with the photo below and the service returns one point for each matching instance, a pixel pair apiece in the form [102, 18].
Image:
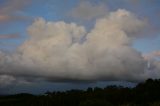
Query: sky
[74, 44]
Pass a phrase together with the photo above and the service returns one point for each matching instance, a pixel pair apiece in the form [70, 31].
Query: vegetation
[144, 94]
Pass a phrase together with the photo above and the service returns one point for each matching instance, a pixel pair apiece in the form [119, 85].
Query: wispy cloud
[87, 11]
[10, 8]
[153, 60]
[153, 54]
[9, 36]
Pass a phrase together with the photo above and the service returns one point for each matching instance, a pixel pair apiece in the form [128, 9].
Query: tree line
[144, 94]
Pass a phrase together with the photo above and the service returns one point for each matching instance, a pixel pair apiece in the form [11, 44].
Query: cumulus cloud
[87, 11]
[57, 51]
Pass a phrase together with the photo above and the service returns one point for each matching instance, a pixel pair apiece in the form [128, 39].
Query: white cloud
[57, 51]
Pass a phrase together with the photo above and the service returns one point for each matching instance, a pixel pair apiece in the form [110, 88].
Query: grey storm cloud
[55, 51]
